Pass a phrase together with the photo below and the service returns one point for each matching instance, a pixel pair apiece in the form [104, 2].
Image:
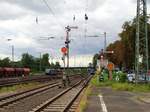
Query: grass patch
[84, 99]
[19, 87]
[120, 86]
[36, 73]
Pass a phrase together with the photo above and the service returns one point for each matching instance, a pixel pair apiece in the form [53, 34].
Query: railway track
[36, 96]
[16, 97]
[18, 81]
[64, 101]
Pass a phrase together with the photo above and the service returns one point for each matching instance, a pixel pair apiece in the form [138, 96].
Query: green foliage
[105, 74]
[45, 61]
[120, 86]
[83, 71]
[95, 81]
[131, 87]
[121, 76]
[31, 62]
[18, 87]
[57, 65]
[5, 62]
[124, 49]
[117, 76]
[34, 63]
[27, 60]
[95, 60]
[76, 71]
[84, 100]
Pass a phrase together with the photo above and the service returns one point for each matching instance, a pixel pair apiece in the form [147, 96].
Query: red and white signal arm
[64, 50]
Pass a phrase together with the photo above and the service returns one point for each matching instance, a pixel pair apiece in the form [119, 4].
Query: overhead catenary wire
[86, 17]
[51, 11]
[85, 23]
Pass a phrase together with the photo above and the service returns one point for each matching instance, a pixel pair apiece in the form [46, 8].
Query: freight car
[14, 72]
[53, 72]
[91, 71]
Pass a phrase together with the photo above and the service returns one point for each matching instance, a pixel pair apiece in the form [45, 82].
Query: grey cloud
[135, 1]
[58, 6]
[20, 8]
[35, 5]
[8, 11]
[98, 22]
[94, 4]
[88, 45]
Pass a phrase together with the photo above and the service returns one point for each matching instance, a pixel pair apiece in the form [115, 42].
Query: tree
[124, 49]
[17, 64]
[118, 56]
[37, 64]
[5, 62]
[57, 65]
[95, 58]
[45, 61]
[128, 36]
[27, 60]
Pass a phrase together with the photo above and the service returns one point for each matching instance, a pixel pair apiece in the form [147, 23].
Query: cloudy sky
[18, 22]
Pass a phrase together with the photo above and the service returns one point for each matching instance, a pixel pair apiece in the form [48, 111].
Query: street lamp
[46, 38]
[105, 39]
[12, 48]
[40, 63]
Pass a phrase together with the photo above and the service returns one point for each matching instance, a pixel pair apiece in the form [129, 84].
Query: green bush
[120, 85]
[122, 77]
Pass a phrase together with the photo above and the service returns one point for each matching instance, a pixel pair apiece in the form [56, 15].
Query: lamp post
[40, 61]
[12, 52]
[105, 39]
[45, 38]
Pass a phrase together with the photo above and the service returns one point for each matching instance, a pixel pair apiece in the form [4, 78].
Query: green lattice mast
[141, 54]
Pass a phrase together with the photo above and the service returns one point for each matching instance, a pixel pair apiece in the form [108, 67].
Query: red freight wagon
[26, 71]
[19, 71]
[9, 72]
[1, 72]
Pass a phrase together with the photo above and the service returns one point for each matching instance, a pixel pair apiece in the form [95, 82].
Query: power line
[48, 7]
[51, 11]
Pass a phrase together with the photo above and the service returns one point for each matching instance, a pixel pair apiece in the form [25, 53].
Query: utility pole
[74, 61]
[12, 52]
[105, 39]
[141, 49]
[12, 55]
[67, 42]
[105, 42]
[40, 63]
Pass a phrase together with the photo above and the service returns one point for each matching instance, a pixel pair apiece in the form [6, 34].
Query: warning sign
[110, 66]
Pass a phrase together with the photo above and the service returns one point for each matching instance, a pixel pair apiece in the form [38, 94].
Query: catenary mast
[141, 42]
